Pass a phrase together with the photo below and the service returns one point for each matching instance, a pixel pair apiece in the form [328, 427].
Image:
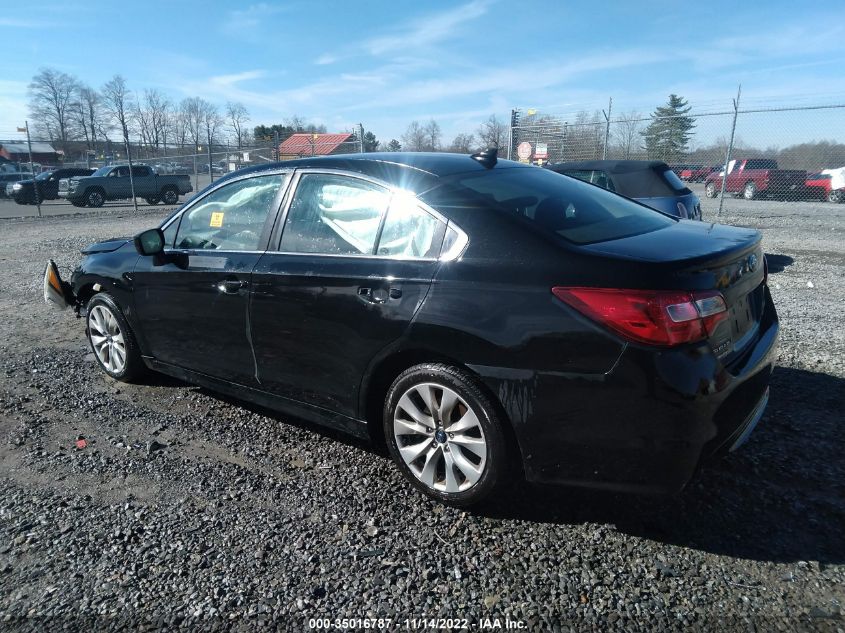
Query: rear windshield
[651, 182]
[576, 211]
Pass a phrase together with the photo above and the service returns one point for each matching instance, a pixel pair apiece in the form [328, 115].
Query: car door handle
[231, 286]
[379, 295]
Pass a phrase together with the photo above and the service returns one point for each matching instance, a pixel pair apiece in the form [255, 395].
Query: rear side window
[577, 212]
[410, 231]
[334, 215]
[649, 182]
[761, 163]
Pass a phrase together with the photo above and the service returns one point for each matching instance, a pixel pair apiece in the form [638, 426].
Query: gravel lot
[189, 511]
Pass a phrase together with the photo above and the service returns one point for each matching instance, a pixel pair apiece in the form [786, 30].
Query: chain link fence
[699, 143]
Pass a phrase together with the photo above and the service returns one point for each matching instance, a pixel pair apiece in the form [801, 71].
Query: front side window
[231, 217]
[334, 215]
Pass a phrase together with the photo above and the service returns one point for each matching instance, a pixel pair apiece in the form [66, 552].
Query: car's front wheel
[445, 434]
[750, 191]
[710, 190]
[112, 340]
[95, 198]
[835, 196]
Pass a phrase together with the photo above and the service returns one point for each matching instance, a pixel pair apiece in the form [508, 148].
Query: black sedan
[47, 184]
[488, 320]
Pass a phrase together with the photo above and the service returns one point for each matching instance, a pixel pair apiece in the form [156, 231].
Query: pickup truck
[112, 183]
[755, 178]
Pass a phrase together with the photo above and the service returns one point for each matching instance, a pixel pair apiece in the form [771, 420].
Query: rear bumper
[648, 423]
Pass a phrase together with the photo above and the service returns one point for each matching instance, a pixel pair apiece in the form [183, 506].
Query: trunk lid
[700, 257]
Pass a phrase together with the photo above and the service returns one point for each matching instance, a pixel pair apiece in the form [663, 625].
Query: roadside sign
[523, 150]
[542, 151]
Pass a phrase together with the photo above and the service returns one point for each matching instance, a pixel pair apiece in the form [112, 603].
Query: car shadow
[777, 263]
[779, 498]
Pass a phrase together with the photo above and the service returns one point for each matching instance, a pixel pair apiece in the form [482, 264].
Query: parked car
[828, 185]
[652, 183]
[693, 172]
[755, 178]
[484, 318]
[8, 179]
[113, 183]
[47, 183]
[215, 168]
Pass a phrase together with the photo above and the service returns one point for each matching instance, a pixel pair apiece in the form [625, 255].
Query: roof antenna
[487, 157]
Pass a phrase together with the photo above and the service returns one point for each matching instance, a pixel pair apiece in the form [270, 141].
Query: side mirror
[150, 242]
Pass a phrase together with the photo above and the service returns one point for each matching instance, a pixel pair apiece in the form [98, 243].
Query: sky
[386, 63]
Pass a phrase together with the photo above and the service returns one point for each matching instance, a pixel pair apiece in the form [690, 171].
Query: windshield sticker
[216, 219]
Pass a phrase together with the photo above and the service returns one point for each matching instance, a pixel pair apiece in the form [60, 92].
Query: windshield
[574, 210]
[102, 171]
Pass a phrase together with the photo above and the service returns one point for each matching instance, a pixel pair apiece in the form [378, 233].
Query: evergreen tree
[667, 136]
[394, 146]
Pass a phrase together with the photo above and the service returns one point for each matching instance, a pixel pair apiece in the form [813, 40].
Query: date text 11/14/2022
[416, 624]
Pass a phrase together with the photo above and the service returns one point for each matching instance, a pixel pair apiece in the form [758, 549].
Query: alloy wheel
[107, 339]
[439, 438]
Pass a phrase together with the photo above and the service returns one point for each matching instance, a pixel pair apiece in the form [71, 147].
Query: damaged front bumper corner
[57, 293]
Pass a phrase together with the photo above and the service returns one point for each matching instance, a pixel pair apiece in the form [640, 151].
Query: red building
[306, 144]
[18, 152]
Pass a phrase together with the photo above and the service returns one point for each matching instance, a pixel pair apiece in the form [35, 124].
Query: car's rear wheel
[710, 190]
[112, 340]
[170, 196]
[445, 434]
[835, 196]
[750, 191]
[95, 198]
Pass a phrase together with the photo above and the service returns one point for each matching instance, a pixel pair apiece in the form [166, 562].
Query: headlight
[17, 186]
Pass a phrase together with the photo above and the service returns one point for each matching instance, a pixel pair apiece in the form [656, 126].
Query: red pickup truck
[755, 178]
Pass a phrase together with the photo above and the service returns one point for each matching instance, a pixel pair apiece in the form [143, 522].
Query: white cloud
[428, 30]
[325, 59]
[244, 22]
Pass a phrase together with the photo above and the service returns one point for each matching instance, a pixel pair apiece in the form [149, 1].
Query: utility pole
[32, 169]
[730, 151]
[131, 175]
[208, 134]
[607, 126]
[361, 132]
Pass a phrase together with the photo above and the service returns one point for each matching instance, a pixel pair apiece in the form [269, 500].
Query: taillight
[654, 317]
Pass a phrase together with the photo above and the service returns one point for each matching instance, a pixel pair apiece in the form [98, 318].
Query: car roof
[415, 171]
[611, 166]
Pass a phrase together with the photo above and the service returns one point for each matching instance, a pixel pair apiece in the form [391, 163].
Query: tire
[170, 196]
[112, 340]
[152, 200]
[459, 467]
[835, 196]
[749, 192]
[710, 190]
[94, 198]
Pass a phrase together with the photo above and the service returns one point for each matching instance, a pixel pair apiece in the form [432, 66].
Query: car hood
[684, 240]
[106, 246]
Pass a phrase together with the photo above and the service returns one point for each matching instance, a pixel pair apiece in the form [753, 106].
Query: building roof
[38, 147]
[307, 144]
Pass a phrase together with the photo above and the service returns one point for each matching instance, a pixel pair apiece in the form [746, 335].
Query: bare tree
[51, 95]
[85, 110]
[463, 144]
[493, 133]
[117, 99]
[626, 132]
[414, 138]
[237, 116]
[192, 111]
[432, 136]
[212, 123]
